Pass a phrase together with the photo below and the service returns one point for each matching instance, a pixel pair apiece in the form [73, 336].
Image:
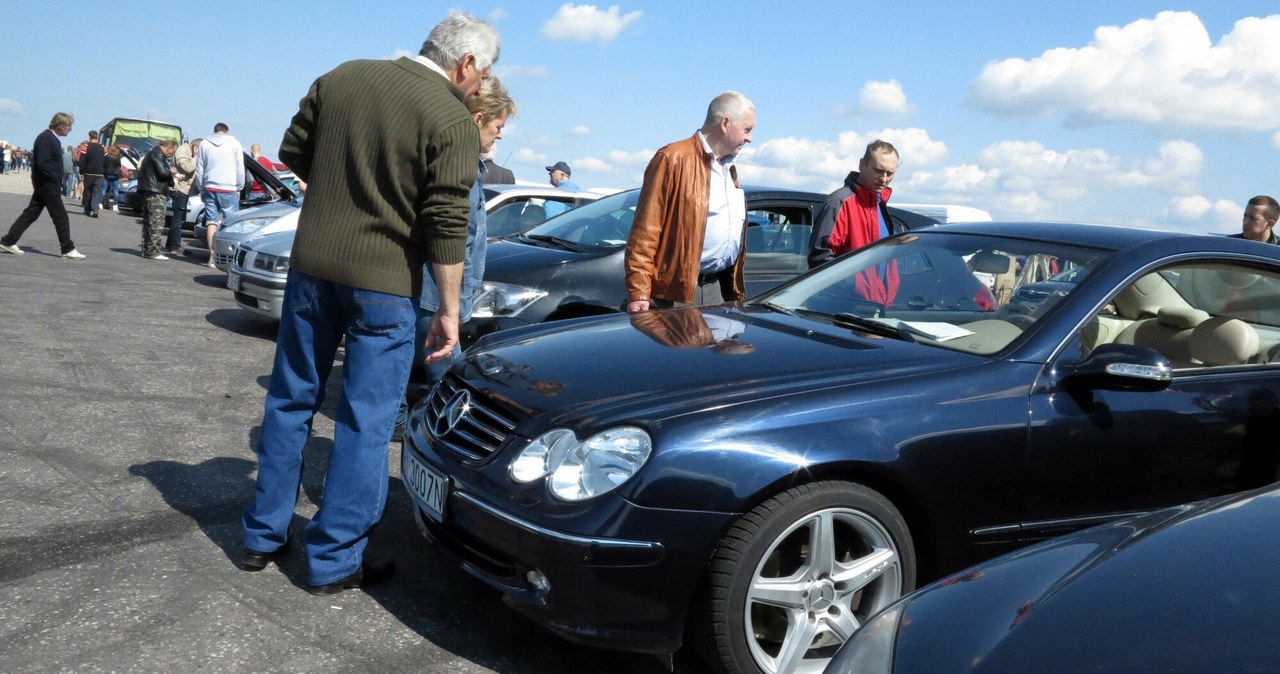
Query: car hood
[1190, 588]
[278, 243]
[659, 363]
[508, 260]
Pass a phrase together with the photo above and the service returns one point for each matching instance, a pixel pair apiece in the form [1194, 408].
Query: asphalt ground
[130, 395]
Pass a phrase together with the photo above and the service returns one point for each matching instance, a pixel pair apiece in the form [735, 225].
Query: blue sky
[1139, 113]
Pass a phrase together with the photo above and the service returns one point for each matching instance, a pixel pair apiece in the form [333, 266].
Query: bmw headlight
[504, 300]
[870, 651]
[579, 470]
[247, 225]
[273, 263]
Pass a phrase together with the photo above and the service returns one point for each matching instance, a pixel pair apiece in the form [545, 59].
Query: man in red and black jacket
[858, 214]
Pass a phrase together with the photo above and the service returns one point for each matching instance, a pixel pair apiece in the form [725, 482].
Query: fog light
[540, 583]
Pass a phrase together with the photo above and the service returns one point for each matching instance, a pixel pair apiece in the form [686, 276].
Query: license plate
[428, 486]
[233, 281]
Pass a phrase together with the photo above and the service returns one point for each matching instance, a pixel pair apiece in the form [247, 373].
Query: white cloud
[585, 23]
[400, 53]
[527, 155]
[1221, 215]
[1155, 71]
[580, 130]
[885, 97]
[801, 161]
[497, 15]
[10, 106]
[1275, 140]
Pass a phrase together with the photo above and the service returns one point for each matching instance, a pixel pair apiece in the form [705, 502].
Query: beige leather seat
[1224, 341]
[1169, 333]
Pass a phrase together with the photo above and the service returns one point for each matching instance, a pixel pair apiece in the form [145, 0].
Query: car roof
[537, 189]
[1102, 236]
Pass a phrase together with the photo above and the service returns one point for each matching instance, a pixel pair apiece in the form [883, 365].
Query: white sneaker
[14, 249]
[158, 256]
[115, 207]
[73, 254]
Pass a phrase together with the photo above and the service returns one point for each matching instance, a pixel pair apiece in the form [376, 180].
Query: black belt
[709, 278]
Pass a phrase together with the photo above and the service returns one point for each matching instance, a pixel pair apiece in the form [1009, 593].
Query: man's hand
[442, 336]
[637, 306]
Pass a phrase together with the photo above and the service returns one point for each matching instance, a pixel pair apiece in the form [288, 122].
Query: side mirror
[1121, 367]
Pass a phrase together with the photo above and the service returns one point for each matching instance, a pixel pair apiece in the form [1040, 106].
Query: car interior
[1196, 316]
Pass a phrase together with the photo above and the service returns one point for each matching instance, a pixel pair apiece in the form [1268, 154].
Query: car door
[1094, 454]
[777, 242]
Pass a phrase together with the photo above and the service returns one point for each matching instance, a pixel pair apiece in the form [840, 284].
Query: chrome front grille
[461, 423]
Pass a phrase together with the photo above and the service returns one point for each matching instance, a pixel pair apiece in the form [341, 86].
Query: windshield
[601, 224]
[940, 288]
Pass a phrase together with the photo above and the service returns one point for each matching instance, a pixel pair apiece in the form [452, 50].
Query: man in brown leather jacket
[685, 246]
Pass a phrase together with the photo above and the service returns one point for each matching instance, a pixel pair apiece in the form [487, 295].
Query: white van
[947, 213]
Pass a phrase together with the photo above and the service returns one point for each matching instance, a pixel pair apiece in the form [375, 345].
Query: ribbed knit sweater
[388, 152]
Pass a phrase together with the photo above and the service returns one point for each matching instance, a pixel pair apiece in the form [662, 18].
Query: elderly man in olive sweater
[389, 151]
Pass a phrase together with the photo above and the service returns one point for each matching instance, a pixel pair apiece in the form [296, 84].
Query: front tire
[795, 577]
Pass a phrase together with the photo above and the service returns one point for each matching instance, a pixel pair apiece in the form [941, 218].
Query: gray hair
[729, 104]
[458, 35]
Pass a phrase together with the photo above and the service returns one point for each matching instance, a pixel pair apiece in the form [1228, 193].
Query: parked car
[757, 482]
[1186, 589]
[255, 221]
[258, 272]
[572, 266]
[265, 292]
[1030, 295]
[512, 209]
[275, 190]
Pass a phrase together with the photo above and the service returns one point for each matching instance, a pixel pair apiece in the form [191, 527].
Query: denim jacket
[472, 264]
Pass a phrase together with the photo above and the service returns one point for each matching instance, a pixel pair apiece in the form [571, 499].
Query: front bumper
[625, 590]
[262, 296]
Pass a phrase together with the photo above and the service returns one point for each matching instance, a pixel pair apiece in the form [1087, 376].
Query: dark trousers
[95, 186]
[179, 200]
[45, 196]
[709, 291]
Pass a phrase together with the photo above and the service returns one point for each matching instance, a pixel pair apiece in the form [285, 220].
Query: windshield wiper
[847, 320]
[553, 240]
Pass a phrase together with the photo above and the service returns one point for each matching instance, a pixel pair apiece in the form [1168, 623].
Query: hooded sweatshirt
[220, 164]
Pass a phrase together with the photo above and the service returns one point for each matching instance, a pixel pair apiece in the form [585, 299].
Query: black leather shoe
[369, 574]
[252, 560]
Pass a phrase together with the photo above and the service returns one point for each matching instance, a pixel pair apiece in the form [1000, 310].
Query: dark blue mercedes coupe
[755, 481]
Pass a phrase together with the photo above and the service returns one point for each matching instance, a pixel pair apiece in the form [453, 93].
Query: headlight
[504, 300]
[272, 263]
[870, 650]
[246, 225]
[577, 471]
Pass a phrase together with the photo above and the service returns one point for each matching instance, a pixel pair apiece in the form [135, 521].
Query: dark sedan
[572, 266]
[1187, 589]
[757, 482]
[1030, 295]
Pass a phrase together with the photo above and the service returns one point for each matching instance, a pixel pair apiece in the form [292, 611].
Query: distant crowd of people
[14, 159]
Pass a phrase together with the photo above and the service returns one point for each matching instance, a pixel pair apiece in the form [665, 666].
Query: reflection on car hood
[1190, 589]
[649, 363]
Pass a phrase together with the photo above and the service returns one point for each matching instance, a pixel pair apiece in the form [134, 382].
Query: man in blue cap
[560, 179]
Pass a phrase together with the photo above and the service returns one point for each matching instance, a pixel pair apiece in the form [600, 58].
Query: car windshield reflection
[601, 225]
[944, 289]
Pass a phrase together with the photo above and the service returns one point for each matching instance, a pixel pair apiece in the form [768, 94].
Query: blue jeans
[113, 185]
[219, 205]
[379, 331]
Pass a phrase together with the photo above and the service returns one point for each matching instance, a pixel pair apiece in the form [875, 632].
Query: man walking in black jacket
[93, 166]
[46, 178]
